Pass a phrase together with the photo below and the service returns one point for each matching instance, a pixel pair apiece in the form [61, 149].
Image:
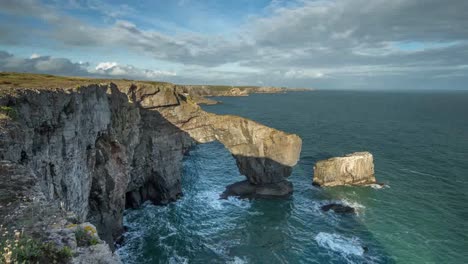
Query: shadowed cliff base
[245, 189]
[266, 178]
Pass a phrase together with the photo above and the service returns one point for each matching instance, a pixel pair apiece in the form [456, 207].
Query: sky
[322, 44]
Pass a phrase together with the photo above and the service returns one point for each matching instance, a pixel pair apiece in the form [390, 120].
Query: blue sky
[327, 44]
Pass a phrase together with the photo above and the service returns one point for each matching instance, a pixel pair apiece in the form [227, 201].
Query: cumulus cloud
[34, 56]
[41, 64]
[128, 71]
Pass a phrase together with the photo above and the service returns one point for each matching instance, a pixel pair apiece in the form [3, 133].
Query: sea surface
[420, 146]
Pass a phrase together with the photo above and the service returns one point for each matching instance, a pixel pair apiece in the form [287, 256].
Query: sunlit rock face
[263, 154]
[353, 169]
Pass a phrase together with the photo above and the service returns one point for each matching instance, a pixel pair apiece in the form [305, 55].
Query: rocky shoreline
[73, 151]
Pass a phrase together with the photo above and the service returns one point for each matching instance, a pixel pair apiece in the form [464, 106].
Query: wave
[176, 259]
[357, 206]
[379, 186]
[213, 200]
[238, 260]
[340, 244]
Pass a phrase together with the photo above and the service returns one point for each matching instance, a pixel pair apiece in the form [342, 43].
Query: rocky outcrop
[96, 149]
[353, 169]
[264, 155]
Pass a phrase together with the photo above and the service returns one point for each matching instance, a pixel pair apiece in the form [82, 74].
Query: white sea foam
[340, 244]
[238, 260]
[379, 186]
[213, 200]
[357, 206]
[240, 203]
[176, 259]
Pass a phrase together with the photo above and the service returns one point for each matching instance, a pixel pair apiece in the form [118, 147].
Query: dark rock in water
[366, 249]
[119, 242]
[244, 189]
[338, 208]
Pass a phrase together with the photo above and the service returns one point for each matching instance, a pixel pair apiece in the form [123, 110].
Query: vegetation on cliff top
[16, 247]
[12, 81]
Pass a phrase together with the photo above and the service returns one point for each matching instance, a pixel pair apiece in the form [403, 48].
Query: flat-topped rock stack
[353, 169]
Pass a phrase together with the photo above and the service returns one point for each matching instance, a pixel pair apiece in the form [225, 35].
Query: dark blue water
[420, 147]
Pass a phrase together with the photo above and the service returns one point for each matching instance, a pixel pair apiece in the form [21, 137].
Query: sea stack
[353, 169]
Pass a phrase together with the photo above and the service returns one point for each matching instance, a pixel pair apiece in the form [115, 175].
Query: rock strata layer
[95, 150]
[353, 169]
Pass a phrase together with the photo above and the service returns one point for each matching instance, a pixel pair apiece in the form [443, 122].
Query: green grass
[7, 111]
[23, 249]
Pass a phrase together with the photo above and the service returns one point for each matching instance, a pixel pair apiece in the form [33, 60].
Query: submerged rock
[338, 208]
[353, 169]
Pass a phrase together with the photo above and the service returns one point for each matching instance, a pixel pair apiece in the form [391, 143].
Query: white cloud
[63, 66]
[129, 71]
[300, 74]
[105, 65]
[34, 56]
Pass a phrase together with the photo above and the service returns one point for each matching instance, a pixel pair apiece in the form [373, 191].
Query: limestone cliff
[264, 155]
[353, 169]
[91, 150]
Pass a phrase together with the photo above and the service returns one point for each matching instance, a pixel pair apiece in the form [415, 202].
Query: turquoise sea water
[420, 146]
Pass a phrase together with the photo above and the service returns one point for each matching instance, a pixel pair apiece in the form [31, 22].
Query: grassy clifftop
[11, 81]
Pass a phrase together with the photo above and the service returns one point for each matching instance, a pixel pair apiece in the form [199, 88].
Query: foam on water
[238, 260]
[357, 206]
[340, 244]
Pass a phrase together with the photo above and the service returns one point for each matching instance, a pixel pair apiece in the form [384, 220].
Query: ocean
[420, 145]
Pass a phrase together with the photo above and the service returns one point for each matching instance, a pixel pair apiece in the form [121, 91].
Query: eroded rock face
[97, 149]
[264, 155]
[90, 148]
[353, 169]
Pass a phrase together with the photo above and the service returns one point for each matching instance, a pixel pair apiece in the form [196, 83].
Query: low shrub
[8, 111]
[86, 236]
[19, 248]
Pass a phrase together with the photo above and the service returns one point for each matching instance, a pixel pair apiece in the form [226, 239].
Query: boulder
[353, 169]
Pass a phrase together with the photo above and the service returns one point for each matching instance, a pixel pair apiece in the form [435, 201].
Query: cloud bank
[327, 43]
[63, 66]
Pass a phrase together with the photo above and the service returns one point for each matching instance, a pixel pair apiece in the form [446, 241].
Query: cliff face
[97, 149]
[89, 147]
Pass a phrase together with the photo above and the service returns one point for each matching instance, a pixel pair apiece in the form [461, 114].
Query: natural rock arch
[263, 154]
